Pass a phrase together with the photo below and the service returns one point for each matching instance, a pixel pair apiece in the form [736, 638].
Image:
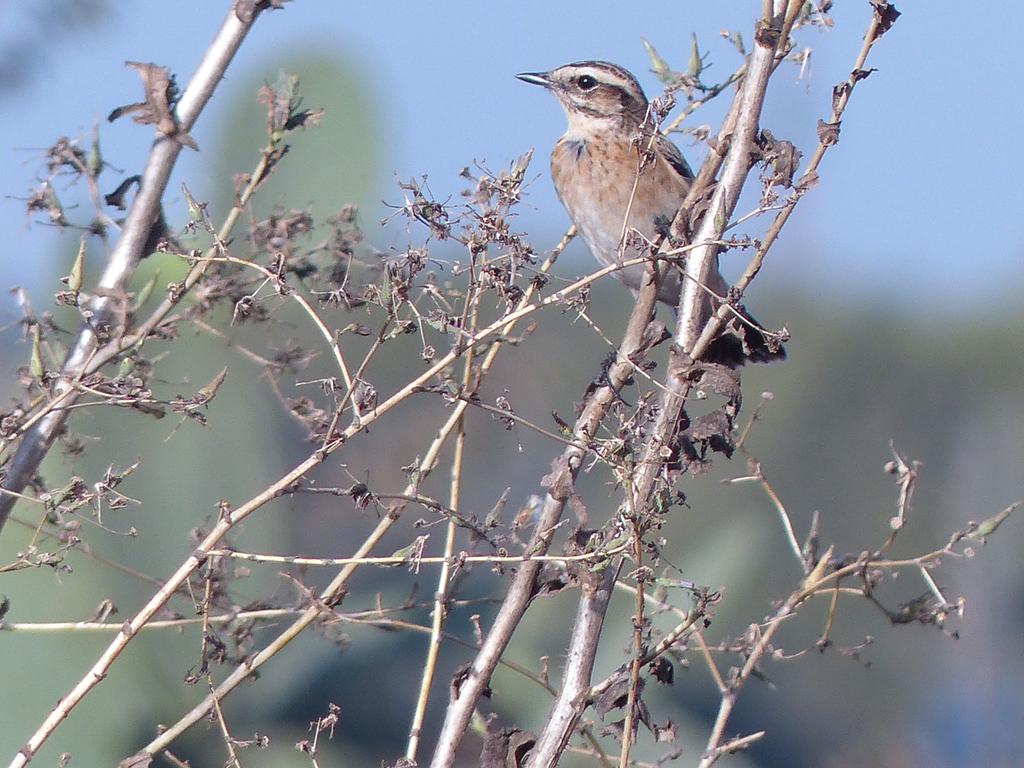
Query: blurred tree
[336, 164]
[33, 31]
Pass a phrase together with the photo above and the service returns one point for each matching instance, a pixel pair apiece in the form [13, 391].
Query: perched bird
[595, 166]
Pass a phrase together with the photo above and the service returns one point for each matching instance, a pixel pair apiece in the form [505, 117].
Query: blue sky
[919, 203]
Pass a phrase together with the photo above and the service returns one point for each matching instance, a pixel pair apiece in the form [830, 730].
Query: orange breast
[595, 181]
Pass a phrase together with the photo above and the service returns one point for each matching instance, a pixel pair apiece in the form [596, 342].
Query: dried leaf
[505, 747]
[615, 695]
[614, 729]
[117, 197]
[711, 425]
[493, 518]
[720, 379]
[35, 365]
[459, 676]
[655, 333]
[361, 495]
[411, 552]
[208, 392]
[663, 670]
[551, 580]
[828, 133]
[782, 156]
[283, 101]
[886, 15]
[144, 293]
[665, 733]
[161, 94]
[695, 64]
[74, 278]
[44, 198]
[559, 483]
[529, 512]
[807, 181]
[659, 66]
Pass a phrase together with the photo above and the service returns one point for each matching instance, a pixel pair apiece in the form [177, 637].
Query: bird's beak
[536, 78]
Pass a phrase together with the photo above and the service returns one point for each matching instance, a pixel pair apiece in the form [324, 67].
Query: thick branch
[113, 285]
[339, 583]
[739, 129]
[704, 257]
[701, 261]
[805, 182]
[572, 697]
[518, 597]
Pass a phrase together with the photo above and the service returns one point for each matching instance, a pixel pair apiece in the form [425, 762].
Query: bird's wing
[667, 149]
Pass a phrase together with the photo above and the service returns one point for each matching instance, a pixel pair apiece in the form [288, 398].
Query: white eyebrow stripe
[606, 73]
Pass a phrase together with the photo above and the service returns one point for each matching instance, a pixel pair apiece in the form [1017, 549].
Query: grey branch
[703, 259]
[579, 666]
[112, 287]
[569, 461]
[742, 123]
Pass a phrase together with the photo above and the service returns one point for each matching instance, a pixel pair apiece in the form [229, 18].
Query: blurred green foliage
[946, 389]
[335, 164]
[854, 380]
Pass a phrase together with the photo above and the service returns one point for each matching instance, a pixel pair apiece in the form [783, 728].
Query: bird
[595, 166]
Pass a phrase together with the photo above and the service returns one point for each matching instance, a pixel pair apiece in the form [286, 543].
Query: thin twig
[225, 733]
[338, 584]
[319, 324]
[738, 744]
[572, 696]
[567, 466]
[711, 93]
[266, 614]
[450, 560]
[635, 664]
[787, 524]
[441, 594]
[113, 284]
[499, 329]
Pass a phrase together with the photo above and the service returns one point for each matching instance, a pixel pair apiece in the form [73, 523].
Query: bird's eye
[586, 82]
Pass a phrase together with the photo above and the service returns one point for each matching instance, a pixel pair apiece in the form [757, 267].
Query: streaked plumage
[594, 167]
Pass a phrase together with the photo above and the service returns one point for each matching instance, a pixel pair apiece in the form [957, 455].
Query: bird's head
[595, 95]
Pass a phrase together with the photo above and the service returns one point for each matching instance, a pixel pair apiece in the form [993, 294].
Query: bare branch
[566, 468]
[112, 287]
[574, 693]
[337, 585]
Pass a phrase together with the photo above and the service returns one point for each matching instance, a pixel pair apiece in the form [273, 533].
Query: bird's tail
[742, 340]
